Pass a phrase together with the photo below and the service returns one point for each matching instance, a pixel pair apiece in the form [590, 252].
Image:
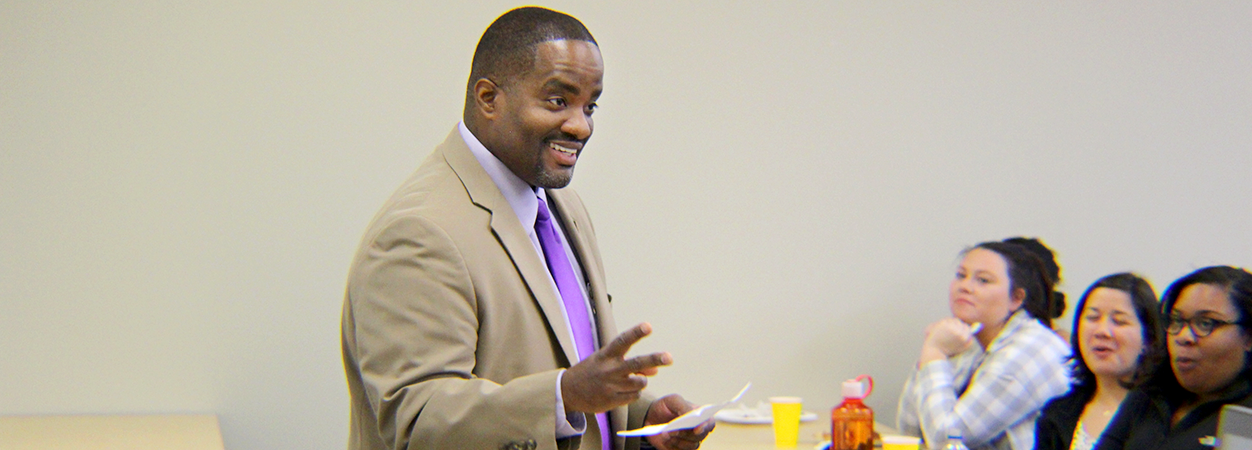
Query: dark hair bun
[1058, 304]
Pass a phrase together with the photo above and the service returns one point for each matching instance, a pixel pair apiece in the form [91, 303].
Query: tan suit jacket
[453, 334]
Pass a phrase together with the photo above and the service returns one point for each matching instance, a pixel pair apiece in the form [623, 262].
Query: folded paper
[686, 421]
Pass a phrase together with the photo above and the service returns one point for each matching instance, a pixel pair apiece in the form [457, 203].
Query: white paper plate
[745, 415]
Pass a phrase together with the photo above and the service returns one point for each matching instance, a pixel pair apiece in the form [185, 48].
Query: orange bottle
[852, 423]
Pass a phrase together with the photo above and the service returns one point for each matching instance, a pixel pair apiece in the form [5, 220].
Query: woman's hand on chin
[944, 339]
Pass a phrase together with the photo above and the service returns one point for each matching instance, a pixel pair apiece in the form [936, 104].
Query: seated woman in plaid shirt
[985, 373]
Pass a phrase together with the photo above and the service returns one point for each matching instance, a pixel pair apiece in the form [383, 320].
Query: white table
[110, 432]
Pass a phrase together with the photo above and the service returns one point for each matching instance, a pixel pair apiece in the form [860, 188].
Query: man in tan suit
[476, 316]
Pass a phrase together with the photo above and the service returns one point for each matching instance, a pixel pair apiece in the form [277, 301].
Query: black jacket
[1055, 428]
[1143, 422]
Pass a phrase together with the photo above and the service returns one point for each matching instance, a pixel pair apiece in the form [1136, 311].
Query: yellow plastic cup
[786, 420]
[895, 442]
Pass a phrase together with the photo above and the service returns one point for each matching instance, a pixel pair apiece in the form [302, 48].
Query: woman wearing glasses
[1209, 313]
[984, 373]
[1117, 340]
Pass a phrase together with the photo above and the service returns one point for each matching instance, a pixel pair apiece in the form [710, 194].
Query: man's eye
[592, 108]
[557, 102]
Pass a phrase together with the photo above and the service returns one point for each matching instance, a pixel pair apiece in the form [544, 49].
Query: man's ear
[487, 98]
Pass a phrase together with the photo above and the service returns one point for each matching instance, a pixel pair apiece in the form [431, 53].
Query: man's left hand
[668, 408]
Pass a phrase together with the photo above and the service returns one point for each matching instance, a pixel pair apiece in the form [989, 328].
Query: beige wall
[781, 188]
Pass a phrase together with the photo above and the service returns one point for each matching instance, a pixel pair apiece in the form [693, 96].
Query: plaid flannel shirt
[991, 397]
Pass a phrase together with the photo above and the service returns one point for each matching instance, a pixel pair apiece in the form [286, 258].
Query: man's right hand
[607, 379]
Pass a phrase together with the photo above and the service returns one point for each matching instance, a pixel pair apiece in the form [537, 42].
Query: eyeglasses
[1200, 326]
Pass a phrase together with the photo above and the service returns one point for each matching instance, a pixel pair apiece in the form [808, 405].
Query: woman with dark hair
[1118, 340]
[1209, 317]
[985, 373]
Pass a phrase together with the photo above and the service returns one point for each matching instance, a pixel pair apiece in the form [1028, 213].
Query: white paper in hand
[686, 421]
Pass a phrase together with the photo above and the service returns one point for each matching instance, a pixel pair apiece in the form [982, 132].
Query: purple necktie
[572, 297]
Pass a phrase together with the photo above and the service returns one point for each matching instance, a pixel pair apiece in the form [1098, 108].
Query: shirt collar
[521, 196]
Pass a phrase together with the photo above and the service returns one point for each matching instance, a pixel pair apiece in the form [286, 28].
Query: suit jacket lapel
[513, 237]
[579, 233]
[580, 238]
